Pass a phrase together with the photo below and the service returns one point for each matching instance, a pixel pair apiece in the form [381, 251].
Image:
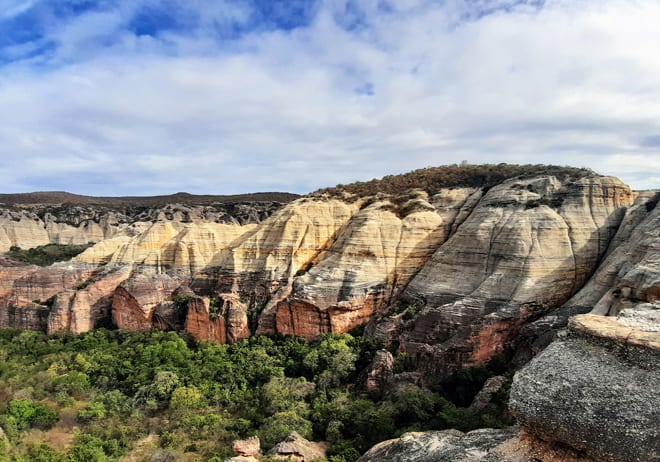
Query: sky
[142, 97]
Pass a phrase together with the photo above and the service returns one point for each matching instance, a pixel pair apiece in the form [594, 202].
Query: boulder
[247, 447]
[595, 390]
[438, 446]
[298, 449]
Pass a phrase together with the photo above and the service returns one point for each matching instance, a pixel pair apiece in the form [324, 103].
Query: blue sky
[118, 97]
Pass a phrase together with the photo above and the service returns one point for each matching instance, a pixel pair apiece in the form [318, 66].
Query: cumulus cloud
[317, 93]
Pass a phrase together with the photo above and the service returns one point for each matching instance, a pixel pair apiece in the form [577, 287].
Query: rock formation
[525, 249]
[595, 390]
[246, 450]
[450, 274]
[379, 373]
[297, 449]
[438, 446]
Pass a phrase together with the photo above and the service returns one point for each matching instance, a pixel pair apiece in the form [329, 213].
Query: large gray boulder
[597, 390]
[438, 446]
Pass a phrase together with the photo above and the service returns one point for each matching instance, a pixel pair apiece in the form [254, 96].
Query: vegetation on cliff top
[107, 394]
[432, 179]
[45, 255]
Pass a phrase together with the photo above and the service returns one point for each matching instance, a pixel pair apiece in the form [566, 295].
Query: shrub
[280, 425]
[27, 414]
[48, 254]
[187, 398]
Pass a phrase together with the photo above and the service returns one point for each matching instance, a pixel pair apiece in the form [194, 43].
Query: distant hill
[61, 197]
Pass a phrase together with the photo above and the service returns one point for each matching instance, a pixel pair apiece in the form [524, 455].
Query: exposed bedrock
[135, 300]
[80, 309]
[630, 273]
[371, 260]
[260, 265]
[438, 446]
[527, 247]
[30, 292]
[224, 322]
[595, 390]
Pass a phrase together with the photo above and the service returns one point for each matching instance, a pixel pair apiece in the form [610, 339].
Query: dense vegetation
[431, 179]
[111, 395]
[45, 255]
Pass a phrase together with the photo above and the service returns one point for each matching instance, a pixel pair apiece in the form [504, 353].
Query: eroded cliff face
[139, 246]
[453, 277]
[372, 259]
[526, 248]
[631, 272]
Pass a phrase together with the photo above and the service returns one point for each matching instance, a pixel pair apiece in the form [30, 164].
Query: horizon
[250, 193]
[114, 98]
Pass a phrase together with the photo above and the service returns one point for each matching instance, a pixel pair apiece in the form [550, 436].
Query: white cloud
[12, 8]
[570, 83]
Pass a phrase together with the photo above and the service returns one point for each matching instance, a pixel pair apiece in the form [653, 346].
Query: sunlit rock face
[526, 248]
[453, 278]
[371, 260]
[630, 273]
[134, 245]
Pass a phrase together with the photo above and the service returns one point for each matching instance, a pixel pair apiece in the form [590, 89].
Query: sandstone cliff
[133, 242]
[526, 248]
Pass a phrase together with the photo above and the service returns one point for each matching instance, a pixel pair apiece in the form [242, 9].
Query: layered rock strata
[526, 248]
[136, 245]
[372, 259]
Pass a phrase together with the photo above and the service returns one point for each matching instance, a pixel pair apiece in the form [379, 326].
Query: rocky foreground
[452, 275]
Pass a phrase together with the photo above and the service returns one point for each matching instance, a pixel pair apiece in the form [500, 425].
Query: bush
[46, 255]
[184, 398]
[26, 413]
[280, 425]
[41, 452]
[92, 411]
[432, 179]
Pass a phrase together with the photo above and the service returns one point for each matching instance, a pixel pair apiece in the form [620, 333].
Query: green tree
[282, 424]
[184, 398]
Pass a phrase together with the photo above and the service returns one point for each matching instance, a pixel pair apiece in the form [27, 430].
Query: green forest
[111, 395]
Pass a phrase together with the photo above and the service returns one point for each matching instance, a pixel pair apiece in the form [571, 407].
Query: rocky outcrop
[526, 249]
[379, 373]
[79, 310]
[297, 449]
[594, 390]
[631, 272]
[265, 259]
[485, 395]
[224, 322]
[168, 247]
[372, 259]
[453, 277]
[249, 447]
[22, 230]
[136, 299]
[10, 271]
[152, 239]
[438, 446]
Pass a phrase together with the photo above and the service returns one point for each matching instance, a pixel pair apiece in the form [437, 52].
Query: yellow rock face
[610, 329]
[182, 248]
[527, 241]
[287, 241]
[24, 233]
